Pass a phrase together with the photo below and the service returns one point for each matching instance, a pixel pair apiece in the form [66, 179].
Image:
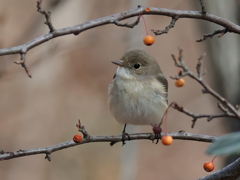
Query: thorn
[48, 156]
[181, 131]
[76, 33]
[210, 118]
[193, 122]
[204, 91]
[1, 151]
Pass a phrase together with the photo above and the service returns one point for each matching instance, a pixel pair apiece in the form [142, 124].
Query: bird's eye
[137, 66]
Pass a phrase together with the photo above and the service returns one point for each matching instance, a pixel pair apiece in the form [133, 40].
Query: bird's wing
[114, 76]
[161, 78]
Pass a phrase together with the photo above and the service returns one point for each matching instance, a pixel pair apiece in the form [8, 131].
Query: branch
[230, 172]
[22, 49]
[47, 16]
[22, 62]
[204, 11]
[207, 89]
[117, 23]
[222, 108]
[92, 139]
[198, 116]
[210, 35]
[199, 66]
[82, 130]
[171, 25]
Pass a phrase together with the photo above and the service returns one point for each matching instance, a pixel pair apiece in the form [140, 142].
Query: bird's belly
[137, 106]
[137, 119]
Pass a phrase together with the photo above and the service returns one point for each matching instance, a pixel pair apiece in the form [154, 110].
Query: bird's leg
[124, 134]
[157, 131]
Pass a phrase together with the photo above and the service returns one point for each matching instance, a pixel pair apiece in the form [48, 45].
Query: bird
[138, 92]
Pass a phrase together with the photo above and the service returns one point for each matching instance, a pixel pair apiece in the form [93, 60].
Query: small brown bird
[138, 91]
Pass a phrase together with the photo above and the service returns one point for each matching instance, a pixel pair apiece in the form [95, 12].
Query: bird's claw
[124, 134]
[157, 132]
[157, 136]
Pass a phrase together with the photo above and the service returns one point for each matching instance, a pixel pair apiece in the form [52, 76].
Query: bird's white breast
[136, 101]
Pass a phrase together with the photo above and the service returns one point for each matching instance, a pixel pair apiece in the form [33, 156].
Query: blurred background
[70, 82]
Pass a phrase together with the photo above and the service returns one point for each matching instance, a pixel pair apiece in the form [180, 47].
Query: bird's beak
[119, 63]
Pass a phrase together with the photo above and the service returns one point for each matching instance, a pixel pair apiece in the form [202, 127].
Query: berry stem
[165, 118]
[165, 123]
[145, 24]
[214, 158]
[165, 113]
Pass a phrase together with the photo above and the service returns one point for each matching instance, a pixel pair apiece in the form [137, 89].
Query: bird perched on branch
[138, 92]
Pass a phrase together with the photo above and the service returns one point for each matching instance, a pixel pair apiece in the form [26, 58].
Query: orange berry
[77, 138]
[208, 166]
[180, 82]
[167, 140]
[148, 40]
[147, 9]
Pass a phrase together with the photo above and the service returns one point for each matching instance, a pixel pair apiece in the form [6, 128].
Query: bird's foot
[157, 132]
[157, 136]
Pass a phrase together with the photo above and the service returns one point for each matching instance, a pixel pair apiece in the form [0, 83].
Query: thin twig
[222, 108]
[207, 89]
[204, 11]
[198, 116]
[180, 63]
[116, 22]
[47, 16]
[82, 130]
[210, 35]
[22, 62]
[199, 65]
[165, 31]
